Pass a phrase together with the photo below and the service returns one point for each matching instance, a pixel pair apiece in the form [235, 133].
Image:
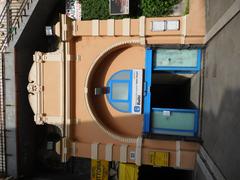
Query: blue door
[167, 120]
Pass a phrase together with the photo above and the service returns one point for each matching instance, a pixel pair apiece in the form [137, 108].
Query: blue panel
[196, 122]
[199, 60]
[147, 92]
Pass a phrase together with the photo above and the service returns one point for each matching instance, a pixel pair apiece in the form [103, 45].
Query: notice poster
[137, 85]
[119, 7]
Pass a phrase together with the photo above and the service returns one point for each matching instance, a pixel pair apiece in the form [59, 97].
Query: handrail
[5, 9]
[14, 24]
[2, 121]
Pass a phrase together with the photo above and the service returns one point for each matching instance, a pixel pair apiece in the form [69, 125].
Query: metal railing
[10, 23]
[15, 21]
[2, 122]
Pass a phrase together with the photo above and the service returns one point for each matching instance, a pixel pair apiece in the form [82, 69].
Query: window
[120, 85]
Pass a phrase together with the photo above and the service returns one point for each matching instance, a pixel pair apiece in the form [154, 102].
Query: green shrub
[95, 9]
[154, 8]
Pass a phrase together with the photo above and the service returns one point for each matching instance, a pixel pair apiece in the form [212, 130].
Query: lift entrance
[168, 105]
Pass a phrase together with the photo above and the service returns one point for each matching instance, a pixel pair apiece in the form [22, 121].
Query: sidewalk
[220, 128]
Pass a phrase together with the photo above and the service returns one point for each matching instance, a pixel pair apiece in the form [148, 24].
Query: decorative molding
[75, 28]
[139, 151]
[123, 153]
[95, 27]
[94, 151]
[66, 28]
[108, 152]
[34, 88]
[178, 153]
[110, 27]
[184, 29]
[126, 27]
[143, 41]
[142, 26]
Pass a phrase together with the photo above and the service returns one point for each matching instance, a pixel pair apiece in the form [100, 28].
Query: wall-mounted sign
[73, 9]
[99, 170]
[159, 158]
[119, 7]
[137, 85]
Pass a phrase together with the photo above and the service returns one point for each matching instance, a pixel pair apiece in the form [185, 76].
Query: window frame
[111, 100]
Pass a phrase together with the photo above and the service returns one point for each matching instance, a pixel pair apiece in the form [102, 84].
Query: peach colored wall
[187, 156]
[84, 28]
[84, 130]
[164, 40]
[89, 48]
[118, 27]
[134, 28]
[126, 58]
[196, 18]
[103, 28]
[51, 88]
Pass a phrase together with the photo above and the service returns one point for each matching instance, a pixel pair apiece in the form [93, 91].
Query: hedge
[99, 9]
[155, 8]
[95, 9]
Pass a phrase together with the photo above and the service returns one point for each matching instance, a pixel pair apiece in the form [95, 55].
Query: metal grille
[3, 34]
[2, 123]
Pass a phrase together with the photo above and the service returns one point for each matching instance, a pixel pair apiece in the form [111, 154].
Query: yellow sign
[159, 158]
[128, 171]
[99, 170]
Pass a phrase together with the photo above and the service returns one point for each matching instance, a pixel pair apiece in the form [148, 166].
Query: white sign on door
[137, 85]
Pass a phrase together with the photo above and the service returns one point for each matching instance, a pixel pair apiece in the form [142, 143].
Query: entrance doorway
[171, 90]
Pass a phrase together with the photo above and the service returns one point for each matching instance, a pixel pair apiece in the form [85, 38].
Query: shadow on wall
[87, 130]
[220, 131]
[32, 39]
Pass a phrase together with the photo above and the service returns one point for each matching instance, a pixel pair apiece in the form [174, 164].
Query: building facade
[124, 90]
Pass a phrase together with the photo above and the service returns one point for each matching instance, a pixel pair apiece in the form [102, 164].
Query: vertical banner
[99, 170]
[137, 85]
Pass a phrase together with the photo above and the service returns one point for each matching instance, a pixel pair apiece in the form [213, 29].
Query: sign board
[73, 9]
[159, 159]
[99, 170]
[118, 7]
[137, 86]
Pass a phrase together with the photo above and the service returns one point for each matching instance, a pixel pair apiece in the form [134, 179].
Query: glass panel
[119, 91]
[173, 120]
[123, 75]
[175, 58]
[124, 106]
[158, 26]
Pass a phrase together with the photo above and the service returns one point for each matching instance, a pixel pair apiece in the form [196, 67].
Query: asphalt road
[221, 101]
